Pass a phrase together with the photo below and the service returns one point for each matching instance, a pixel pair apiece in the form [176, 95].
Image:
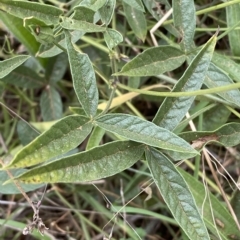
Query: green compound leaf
[97, 163]
[154, 61]
[185, 21]
[9, 65]
[227, 135]
[137, 21]
[84, 80]
[143, 131]
[173, 110]
[112, 38]
[63, 136]
[51, 104]
[216, 78]
[22, 9]
[24, 77]
[177, 195]
[106, 11]
[227, 227]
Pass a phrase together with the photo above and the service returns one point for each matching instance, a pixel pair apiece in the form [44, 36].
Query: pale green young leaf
[51, 104]
[106, 11]
[95, 137]
[137, 4]
[137, 21]
[51, 50]
[225, 224]
[215, 78]
[84, 80]
[74, 24]
[139, 130]
[7, 66]
[185, 21]
[97, 163]
[24, 9]
[63, 136]
[43, 34]
[233, 17]
[173, 110]
[154, 61]
[176, 195]
[226, 64]
[93, 4]
[228, 135]
[112, 38]
[24, 77]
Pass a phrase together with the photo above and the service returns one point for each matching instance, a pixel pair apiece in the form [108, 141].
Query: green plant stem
[182, 94]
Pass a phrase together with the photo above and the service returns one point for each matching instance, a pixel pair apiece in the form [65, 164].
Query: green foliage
[79, 52]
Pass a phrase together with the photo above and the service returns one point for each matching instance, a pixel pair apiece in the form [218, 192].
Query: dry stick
[220, 187]
[205, 152]
[19, 188]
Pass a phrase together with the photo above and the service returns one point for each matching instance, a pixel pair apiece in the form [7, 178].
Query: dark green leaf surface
[233, 17]
[216, 78]
[11, 187]
[220, 213]
[112, 38]
[51, 50]
[22, 9]
[226, 64]
[106, 11]
[24, 77]
[56, 68]
[7, 66]
[63, 136]
[143, 131]
[185, 21]
[228, 135]
[84, 80]
[177, 195]
[235, 202]
[83, 14]
[26, 133]
[137, 4]
[137, 21]
[51, 104]
[154, 61]
[173, 110]
[73, 24]
[97, 163]
[216, 117]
